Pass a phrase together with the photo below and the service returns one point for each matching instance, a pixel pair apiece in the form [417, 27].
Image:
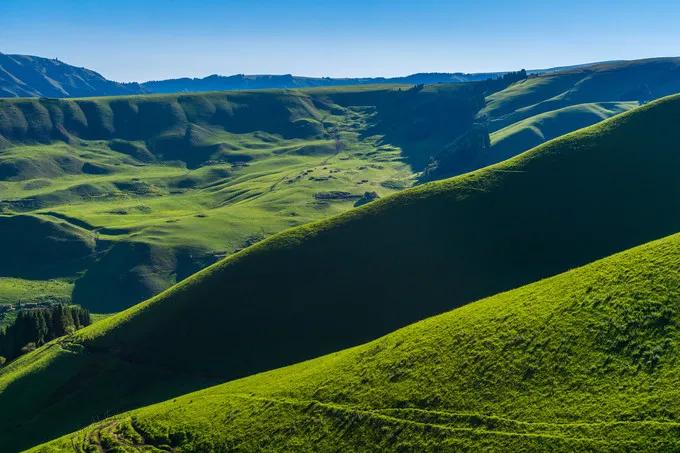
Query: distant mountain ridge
[29, 76]
[32, 76]
[241, 81]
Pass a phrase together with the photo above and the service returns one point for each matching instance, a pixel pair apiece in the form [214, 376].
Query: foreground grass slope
[164, 185]
[341, 282]
[581, 361]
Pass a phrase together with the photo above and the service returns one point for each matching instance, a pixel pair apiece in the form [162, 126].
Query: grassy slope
[168, 184]
[347, 280]
[640, 80]
[584, 360]
[533, 131]
[541, 108]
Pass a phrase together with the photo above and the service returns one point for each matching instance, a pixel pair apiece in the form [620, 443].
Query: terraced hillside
[548, 105]
[586, 360]
[127, 195]
[378, 268]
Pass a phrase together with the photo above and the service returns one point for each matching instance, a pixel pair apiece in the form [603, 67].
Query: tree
[35, 327]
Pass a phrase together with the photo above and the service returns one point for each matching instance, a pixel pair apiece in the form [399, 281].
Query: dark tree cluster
[35, 327]
[493, 85]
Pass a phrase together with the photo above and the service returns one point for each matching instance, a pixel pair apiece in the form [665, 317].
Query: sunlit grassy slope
[341, 282]
[161, 186]
[639, 80]
[586, 360]
[13, 289]
[543, 107]
[533, 131]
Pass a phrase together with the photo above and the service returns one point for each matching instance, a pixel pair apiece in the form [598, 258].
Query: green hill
[533, 131]
[334, 284]
[548, 105]
[583, 361]
[638, 80]
[166, 185]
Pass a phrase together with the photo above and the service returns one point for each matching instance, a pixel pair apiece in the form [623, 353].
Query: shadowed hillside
[378, 268]
[582, 361]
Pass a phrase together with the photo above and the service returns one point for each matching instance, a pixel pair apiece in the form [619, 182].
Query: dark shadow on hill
[34, 247]
[96, 387]
[130, 272]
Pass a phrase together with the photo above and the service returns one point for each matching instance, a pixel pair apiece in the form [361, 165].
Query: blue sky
[154, 39]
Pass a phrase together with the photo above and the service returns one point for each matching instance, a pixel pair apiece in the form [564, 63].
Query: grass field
[582, 361]
[14, 289]
[393, 262]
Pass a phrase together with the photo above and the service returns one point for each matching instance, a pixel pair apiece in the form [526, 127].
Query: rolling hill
[334, 284]
[531, 132]
[547, 105]
[160, 186]
[28, 76]
[583, 361]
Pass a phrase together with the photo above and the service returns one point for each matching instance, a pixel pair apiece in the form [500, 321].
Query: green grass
[168, 184]
[585, 360]
[640, 80]
[15, 289]
[337, 283]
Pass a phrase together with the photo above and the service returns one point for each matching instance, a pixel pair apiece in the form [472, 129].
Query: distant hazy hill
[28, 76]
[241, 81]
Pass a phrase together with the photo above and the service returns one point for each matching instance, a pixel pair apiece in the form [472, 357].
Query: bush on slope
[584, 360]
[334, 284]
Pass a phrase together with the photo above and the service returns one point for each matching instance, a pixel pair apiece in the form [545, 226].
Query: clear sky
[140, 40]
